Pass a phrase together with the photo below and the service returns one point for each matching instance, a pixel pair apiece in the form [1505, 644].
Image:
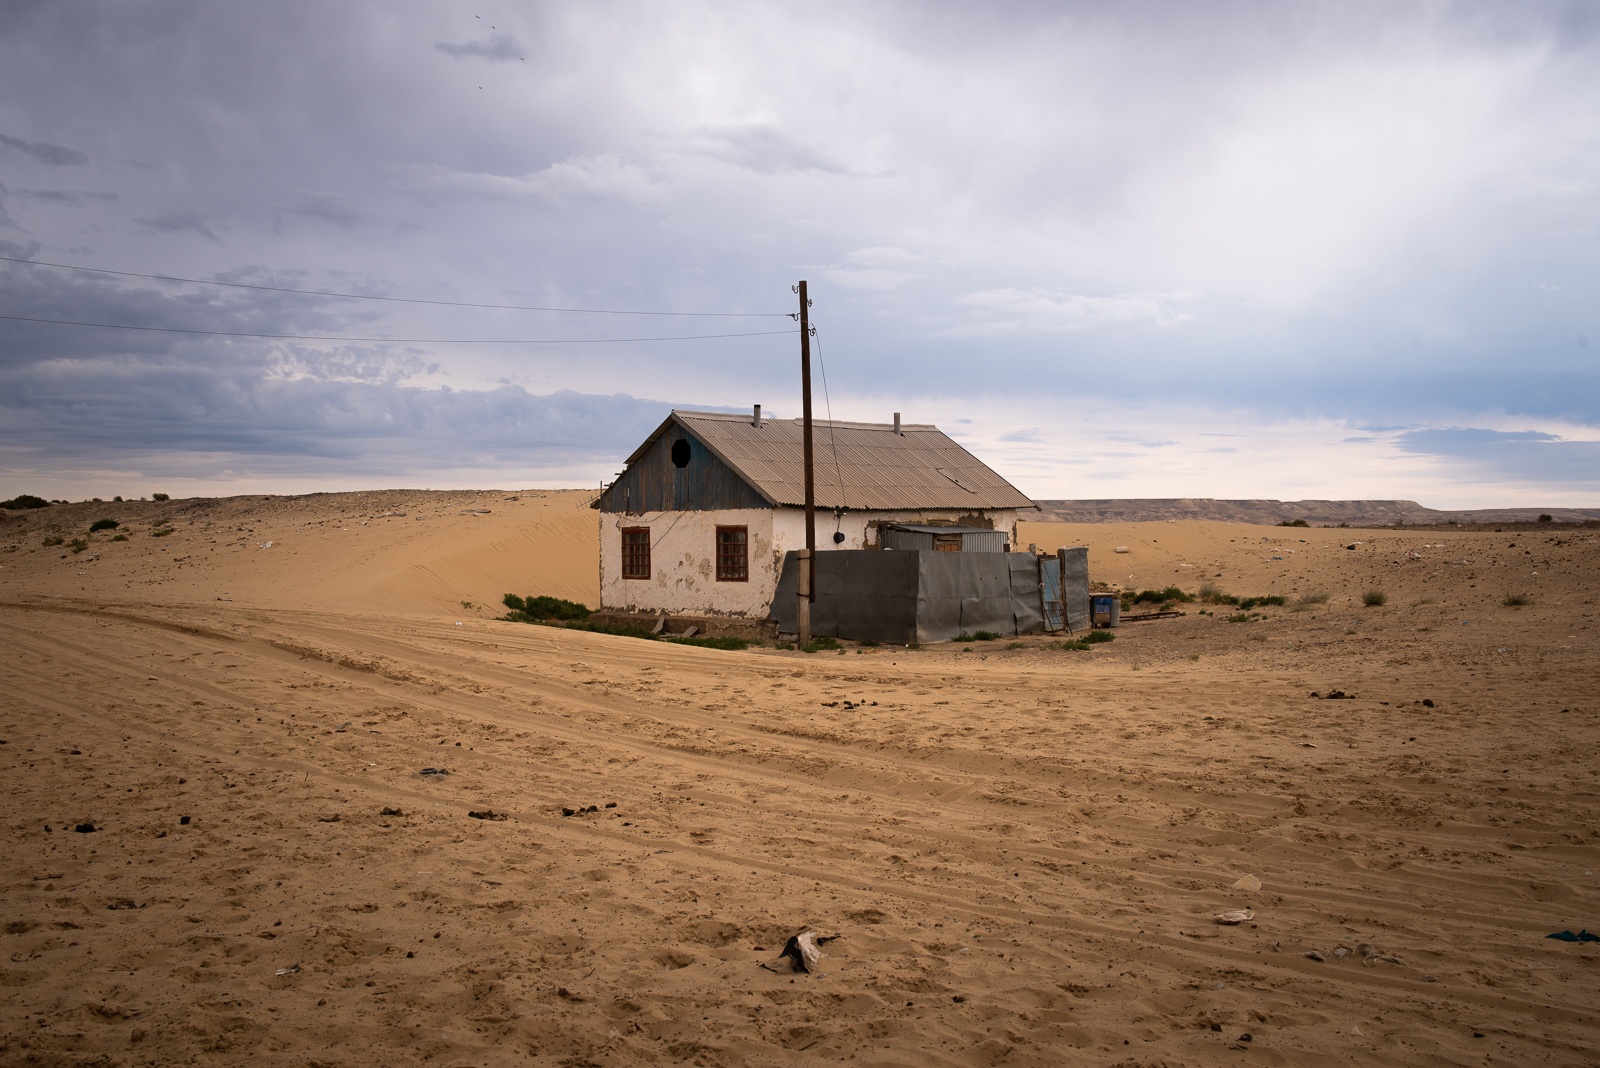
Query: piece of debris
[488, 814]
[290, 970]
[800, 953]
[1234, 916]
[1248, 882]
[1427, 702]
[341, 728]
[1120, 549]
[434, 771]
[124, 903]
[474, 511]
[395, 515]
[580, 810]
[1568, 936]
[85, 828]
[387, 811]
[328, 819]
[1340, 952]
[1312, 954]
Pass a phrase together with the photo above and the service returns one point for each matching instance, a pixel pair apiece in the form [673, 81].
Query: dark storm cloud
[177, 222]
[1526, 455]
[44, 152]
[497, 46]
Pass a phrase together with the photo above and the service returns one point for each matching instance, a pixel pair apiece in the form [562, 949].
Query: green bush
[1374, 598]
[1252, 602]
[817, 645]
[1170, 595]
[77, 545]
[1293, 523]
[103, 524]
[119, 537]
[25, 500]
[54, 539]
[1238, 617]
[713, 643]
[977, 636]
[1097, 637]
[160, 497]
[1306, 600]
[1072, 647]
[526, 609]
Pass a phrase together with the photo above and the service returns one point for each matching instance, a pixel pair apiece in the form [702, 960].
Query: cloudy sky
[1135, 249]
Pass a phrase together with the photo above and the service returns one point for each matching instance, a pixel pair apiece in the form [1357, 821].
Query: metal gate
[1050, 594]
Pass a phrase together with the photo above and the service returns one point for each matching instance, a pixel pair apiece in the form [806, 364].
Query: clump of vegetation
[1015, 645]
[825, 642]
[1546, 517]
[541, 608]
[1213, 595]
[977, 636]
[1099, 637]
[103, 524]
[160, 497]
[53, 539]
[77, 545]
[1374, 598]
[160, 530]
[25, 500]
[1170, 595]
[1293, 523]
[1517, 600]
[1239, 617]
[1072, 647]
[725, 642]
[1306, 600]
[120, 537]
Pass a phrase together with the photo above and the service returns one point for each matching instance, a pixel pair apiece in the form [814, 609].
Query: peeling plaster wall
[683, 554]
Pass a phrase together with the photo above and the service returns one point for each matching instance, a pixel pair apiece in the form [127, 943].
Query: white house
[699, 522]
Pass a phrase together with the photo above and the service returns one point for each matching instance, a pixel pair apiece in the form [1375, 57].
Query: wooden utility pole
[805, 587]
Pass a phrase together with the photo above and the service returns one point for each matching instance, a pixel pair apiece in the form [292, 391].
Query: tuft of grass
[1015, 645]
[976, 636]
[120, 537]
[1072, 647]
[1306, 600]
[103, 524]
[1239, 617]
[1374, 598]
[1517, 600]
[825, 642]
[77, 545]
[54, 539]
[1256, 602]
[1097, 637]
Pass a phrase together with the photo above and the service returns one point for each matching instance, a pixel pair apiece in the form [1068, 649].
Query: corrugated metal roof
[857, 465]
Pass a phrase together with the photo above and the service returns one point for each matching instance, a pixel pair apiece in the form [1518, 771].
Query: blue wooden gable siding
[653, 483]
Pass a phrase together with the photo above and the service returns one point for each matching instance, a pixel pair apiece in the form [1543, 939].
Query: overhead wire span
[392, 300]
[391, 340]
[832, 447]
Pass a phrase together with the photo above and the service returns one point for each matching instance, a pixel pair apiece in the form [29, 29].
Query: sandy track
[1041, 835]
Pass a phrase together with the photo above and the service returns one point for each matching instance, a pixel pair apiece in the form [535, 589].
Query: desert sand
[1021, 850]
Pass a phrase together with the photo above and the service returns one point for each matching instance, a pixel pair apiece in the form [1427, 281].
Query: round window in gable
[680, 453]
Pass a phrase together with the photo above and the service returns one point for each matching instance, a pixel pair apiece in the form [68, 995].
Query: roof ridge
[745, 417]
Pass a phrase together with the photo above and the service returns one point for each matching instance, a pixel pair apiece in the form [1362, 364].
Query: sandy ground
[1020, 849]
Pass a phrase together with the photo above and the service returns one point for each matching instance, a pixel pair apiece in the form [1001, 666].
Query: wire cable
[833, 448]
[392, 300]
[391, 340]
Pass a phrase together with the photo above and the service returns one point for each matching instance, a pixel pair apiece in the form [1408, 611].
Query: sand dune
[1021, 849]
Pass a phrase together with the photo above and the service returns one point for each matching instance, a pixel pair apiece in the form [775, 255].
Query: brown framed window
[635, 552]
[733, 554]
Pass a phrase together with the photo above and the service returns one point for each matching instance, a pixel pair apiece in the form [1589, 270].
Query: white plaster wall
[683, 564]
[683, 547]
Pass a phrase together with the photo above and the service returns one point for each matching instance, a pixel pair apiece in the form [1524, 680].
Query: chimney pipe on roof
[897, 422]
[756, 421]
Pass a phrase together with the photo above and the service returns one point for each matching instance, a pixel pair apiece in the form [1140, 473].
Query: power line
[393, 340]
[391, 300]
